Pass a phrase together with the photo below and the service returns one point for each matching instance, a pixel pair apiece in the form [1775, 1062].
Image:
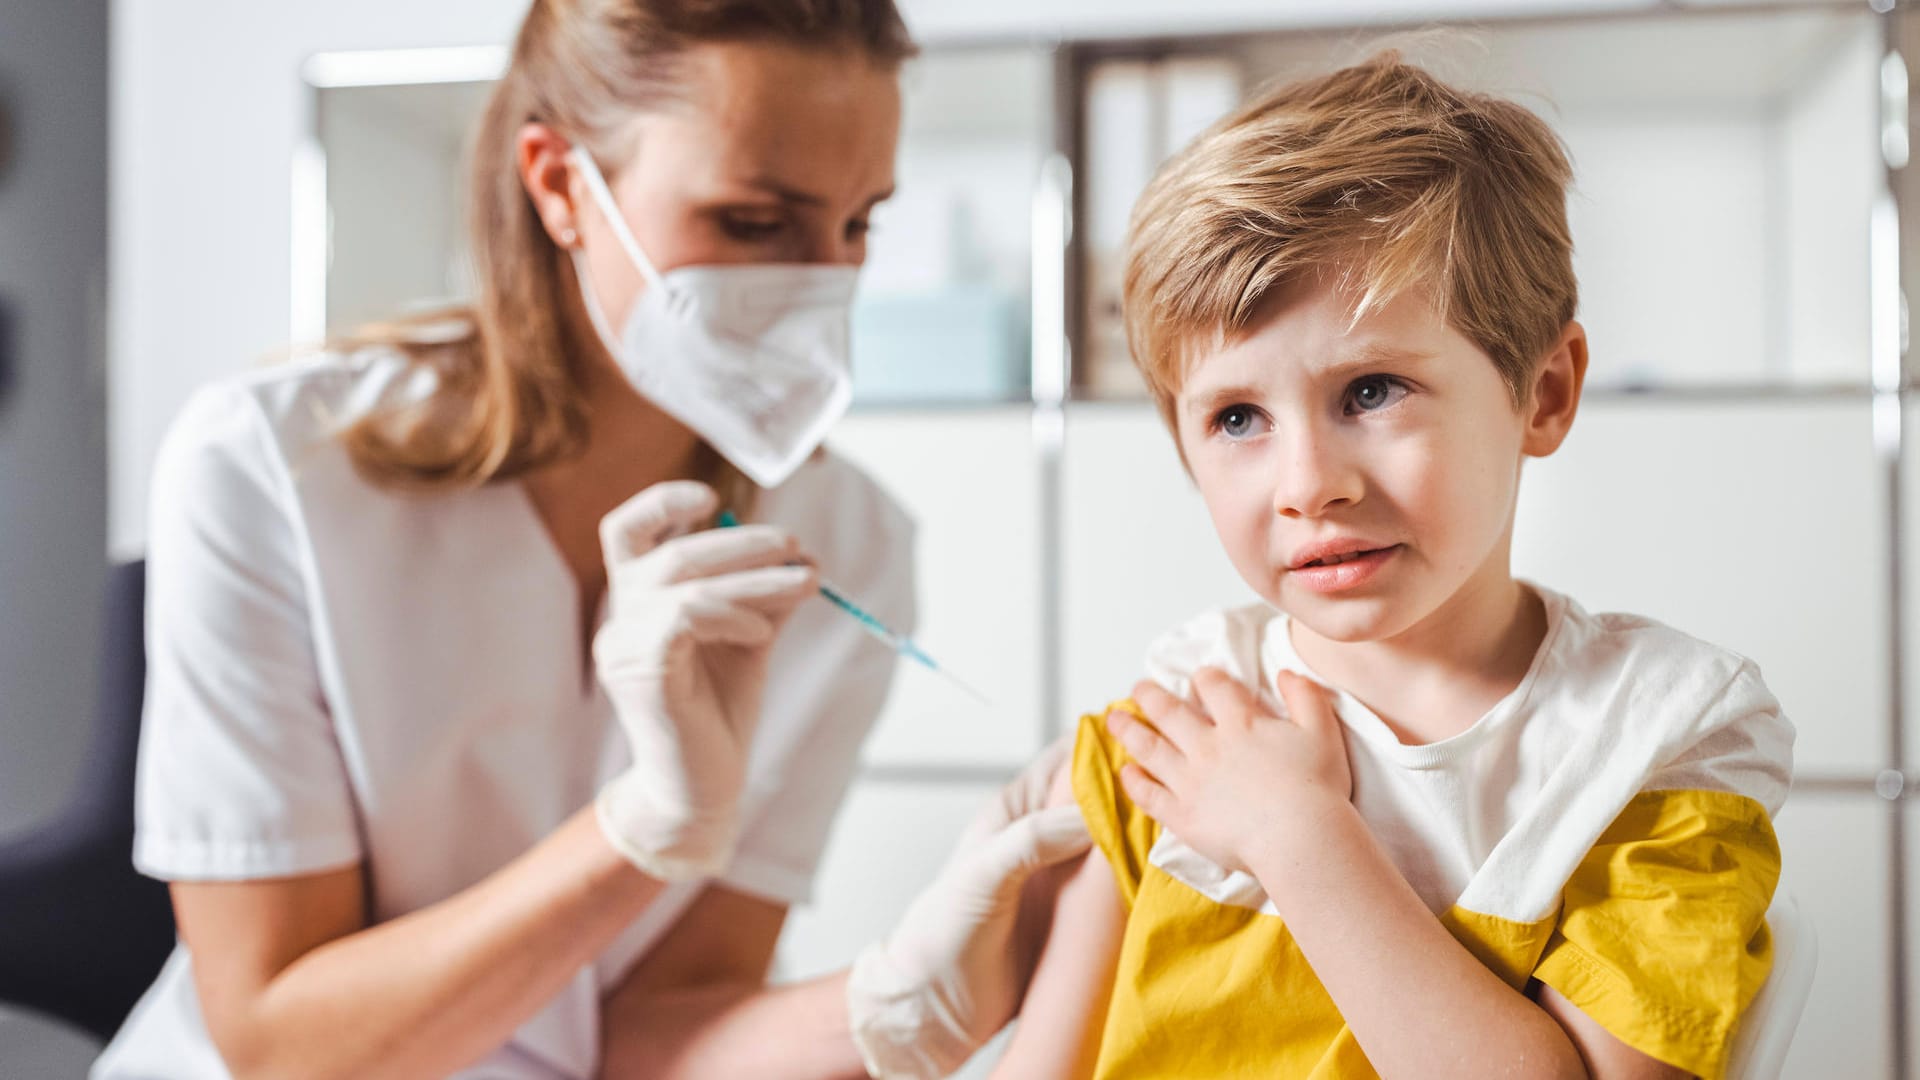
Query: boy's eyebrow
[1207, 402]
[1371, 354]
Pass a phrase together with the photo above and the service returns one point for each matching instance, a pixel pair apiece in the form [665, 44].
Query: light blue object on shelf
[961, 344]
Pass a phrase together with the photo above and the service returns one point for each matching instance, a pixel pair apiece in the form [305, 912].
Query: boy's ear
[1555, 399]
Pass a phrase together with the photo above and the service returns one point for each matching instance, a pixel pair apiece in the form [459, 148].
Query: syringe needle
[898, 642]
[912, 651]
[964, 685]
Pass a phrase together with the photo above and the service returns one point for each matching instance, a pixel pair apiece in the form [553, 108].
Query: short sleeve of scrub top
[241, 775]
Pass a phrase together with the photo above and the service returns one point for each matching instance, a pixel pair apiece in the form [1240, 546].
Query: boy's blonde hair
[1380, 174]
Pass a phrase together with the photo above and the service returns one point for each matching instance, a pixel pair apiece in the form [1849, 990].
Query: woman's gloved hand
[948, 978]
[692, 613]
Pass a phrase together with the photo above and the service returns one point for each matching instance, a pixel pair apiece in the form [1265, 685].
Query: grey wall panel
[53, 208]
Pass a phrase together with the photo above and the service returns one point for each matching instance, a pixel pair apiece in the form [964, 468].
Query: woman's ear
[541, 154]
[1555, 397]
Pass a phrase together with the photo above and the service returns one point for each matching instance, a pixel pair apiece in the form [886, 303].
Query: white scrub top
[340, 673]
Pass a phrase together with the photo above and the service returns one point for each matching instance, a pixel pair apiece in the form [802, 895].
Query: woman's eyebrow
[790, 194]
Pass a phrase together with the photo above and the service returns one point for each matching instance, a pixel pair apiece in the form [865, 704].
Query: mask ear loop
[597, 185]
[592, 303]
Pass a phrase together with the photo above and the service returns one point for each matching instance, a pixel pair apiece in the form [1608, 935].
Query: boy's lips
[1337, 566]
[1333, 551]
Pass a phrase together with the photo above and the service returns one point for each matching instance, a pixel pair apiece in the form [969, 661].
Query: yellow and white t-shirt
[1606, 829]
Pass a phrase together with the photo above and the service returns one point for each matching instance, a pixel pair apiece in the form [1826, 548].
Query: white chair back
[1760, 1045]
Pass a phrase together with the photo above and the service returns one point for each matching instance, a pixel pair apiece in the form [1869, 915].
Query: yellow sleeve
[1123, 833]
[1662, 936]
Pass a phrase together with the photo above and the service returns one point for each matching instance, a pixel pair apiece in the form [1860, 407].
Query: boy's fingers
[1177, 719]
[1147, 793]
[1308, 703]
[1226, 698]
[1147, 746]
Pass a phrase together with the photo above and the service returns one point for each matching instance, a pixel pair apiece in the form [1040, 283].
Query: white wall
[207, 107]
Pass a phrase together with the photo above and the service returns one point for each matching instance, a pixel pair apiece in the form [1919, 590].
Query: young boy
[1516, 839]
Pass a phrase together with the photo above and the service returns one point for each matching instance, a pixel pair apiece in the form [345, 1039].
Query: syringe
[892, 639]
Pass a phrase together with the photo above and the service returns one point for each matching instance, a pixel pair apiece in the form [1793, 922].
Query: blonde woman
[471, 749]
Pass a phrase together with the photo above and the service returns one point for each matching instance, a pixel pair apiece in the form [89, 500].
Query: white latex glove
[946, 980]
[691, 618]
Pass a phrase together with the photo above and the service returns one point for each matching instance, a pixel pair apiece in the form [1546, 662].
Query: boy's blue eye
[1237, 421]
[1372, 393]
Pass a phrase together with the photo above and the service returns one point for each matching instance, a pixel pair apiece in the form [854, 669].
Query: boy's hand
[1228, 776]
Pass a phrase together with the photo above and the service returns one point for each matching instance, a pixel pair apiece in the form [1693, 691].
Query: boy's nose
[1314, 478]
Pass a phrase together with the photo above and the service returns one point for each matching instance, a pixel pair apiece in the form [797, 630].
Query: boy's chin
[1347, 621]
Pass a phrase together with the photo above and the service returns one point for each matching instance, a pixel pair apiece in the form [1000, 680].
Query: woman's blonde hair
[508, 396]
[1378, 174]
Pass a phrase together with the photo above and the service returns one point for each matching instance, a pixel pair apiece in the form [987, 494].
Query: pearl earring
[568, 238]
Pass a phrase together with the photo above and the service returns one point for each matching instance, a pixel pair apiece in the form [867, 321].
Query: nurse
[470, 748]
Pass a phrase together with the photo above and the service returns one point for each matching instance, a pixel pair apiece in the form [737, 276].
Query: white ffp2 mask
[752, 357]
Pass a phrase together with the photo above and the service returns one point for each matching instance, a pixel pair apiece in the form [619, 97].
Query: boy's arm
[1271, 795]
[1607, 1057]
[1058, 1034]
[1417, 1001]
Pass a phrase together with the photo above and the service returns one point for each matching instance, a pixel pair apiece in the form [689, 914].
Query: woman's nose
[833, 247]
